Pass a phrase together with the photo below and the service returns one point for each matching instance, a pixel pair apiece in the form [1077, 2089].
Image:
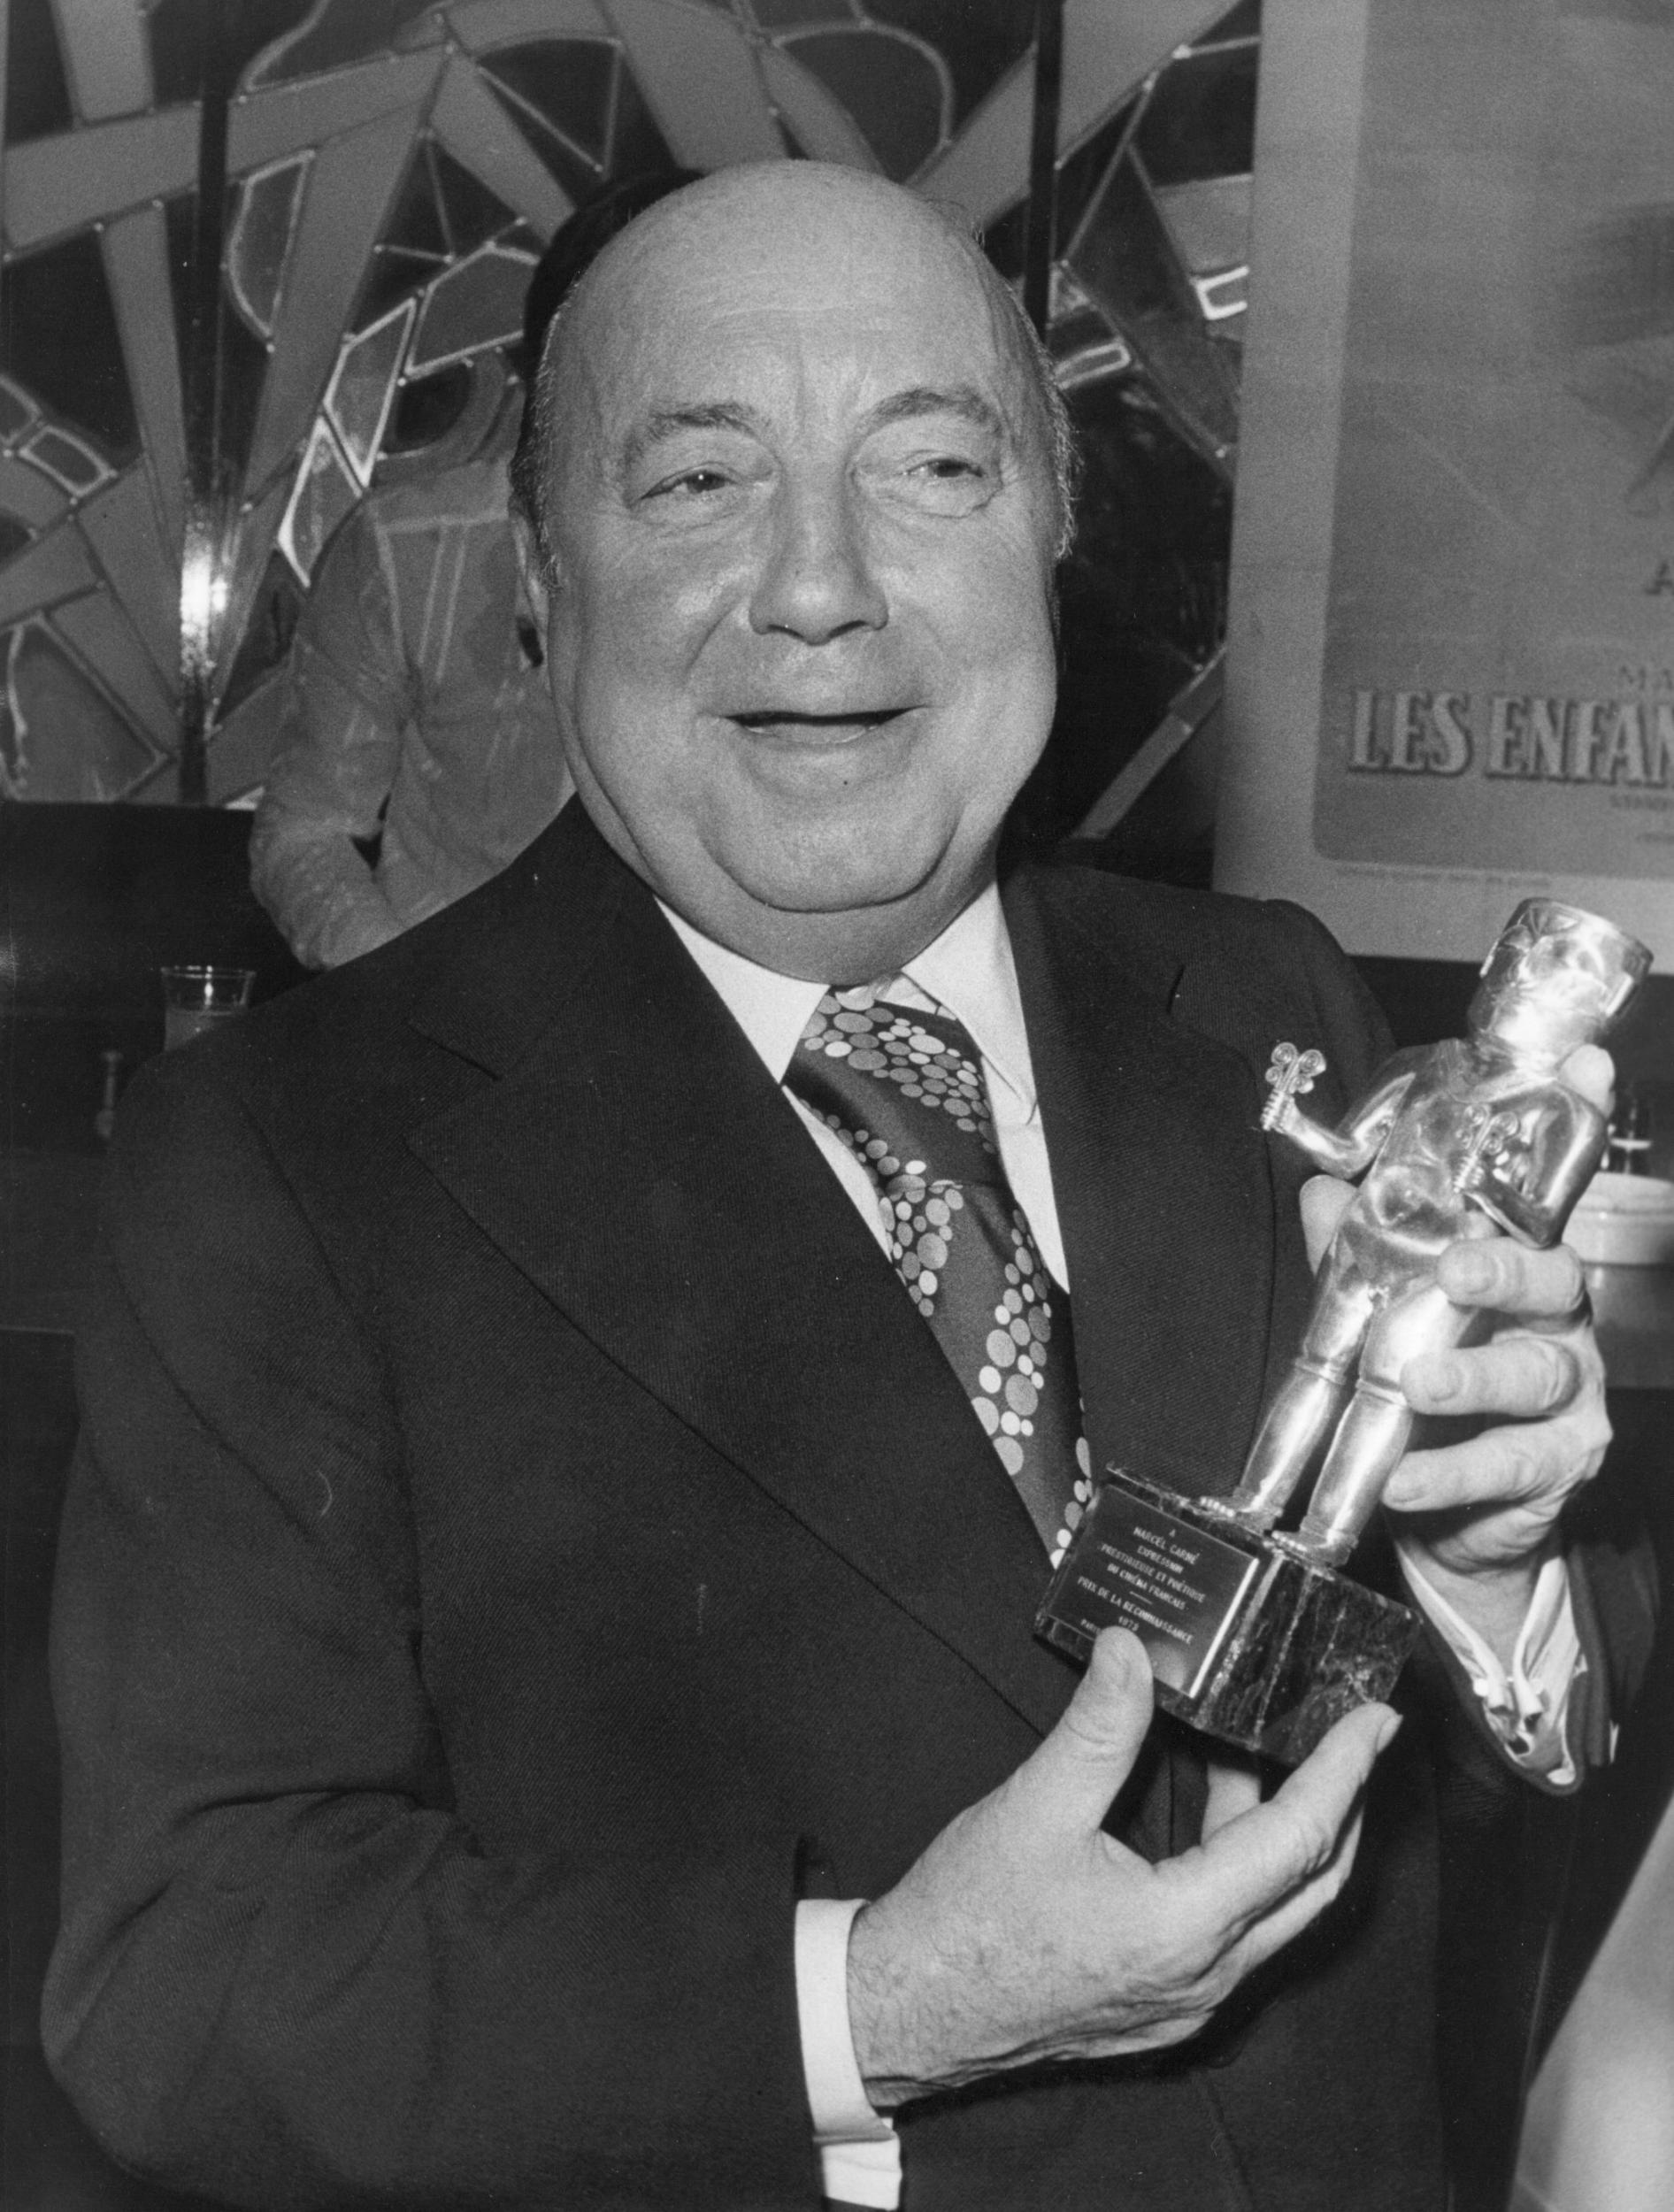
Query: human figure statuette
[1254, 1635]
[1452, 1140]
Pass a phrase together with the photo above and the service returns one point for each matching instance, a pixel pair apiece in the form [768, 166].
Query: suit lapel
[709, 1252]
[1163, 1193]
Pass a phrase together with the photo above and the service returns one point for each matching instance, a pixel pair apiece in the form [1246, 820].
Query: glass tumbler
[199, 999]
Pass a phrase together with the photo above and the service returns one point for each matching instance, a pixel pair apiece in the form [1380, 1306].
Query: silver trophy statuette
[1452, 1140]
[1253, 1636]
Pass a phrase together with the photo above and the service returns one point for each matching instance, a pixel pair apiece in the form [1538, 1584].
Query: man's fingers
[1322, 1201]
[1534, 1464]
[1271, 1853]
[1526, 1377]
[1071, 1779]
[1234, 1791]
[1288, 1918]
[1503, 1277]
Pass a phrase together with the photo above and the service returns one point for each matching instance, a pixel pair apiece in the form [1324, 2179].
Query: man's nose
[816, 582]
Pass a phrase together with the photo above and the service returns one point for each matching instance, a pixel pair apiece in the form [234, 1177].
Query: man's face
[799, 599]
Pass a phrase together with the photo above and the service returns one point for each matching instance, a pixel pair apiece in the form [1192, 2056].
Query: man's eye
[691, 483]
[939, 483]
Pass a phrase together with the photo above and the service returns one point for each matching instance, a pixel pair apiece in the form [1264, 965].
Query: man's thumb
[1081, 1765]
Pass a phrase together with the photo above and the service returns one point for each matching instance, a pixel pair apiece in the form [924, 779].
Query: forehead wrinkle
[918, 399]
[669, 422]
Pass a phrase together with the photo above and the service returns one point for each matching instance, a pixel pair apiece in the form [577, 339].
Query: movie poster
[1451, 667]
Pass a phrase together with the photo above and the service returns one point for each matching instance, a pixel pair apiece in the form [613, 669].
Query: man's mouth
[795, 728]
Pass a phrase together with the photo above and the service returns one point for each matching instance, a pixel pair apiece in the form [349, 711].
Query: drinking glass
[198, 999]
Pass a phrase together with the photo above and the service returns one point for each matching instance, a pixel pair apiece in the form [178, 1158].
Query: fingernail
[1470, 1271]
[1387, 1733]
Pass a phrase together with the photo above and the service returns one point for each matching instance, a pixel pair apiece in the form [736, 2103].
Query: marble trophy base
[1246, 1641]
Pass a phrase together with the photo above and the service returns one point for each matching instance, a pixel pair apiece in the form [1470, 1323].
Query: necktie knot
[929, 1060]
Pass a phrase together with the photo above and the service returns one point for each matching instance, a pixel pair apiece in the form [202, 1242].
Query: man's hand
[1025, 1932]
[1479, 1517]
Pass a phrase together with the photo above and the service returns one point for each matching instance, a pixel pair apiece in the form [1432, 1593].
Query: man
[535, 1564]
[417, 716]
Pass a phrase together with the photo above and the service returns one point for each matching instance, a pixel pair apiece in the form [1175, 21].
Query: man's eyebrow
[668, 422]
[963, 400]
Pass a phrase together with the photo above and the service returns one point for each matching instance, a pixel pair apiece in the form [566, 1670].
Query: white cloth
[969, 969]
[859, 2157]
[1527, 1705]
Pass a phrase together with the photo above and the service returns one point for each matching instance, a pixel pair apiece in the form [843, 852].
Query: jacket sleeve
[289, 1975]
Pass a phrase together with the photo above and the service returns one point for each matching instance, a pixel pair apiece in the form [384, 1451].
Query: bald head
[771, 213]
[790, 510]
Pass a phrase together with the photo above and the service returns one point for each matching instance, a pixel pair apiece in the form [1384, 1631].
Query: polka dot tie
[904, 1092]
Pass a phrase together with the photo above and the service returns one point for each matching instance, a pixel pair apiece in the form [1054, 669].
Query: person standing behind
[418, 717]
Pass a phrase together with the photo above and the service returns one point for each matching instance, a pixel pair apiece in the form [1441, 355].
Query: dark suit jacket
[523, 1538]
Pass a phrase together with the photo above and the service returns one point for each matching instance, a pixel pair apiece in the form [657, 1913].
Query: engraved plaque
[1248, 1641]
[1133, 1565]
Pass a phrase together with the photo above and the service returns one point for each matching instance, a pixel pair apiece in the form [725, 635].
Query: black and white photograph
[837, 1203]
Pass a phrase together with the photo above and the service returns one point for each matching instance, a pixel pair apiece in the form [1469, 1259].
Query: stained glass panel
[478, 304]
[391, 278]
[381, 217]
[567, 83]
[362, 387]
[417, 224]
[18, 411]
[1124, 256]
[338, 32]
[980, 41]
[898, 92]
[262, 233]
[324, 492]
[31, 499]
[59, 339]
[1208, 222]
[46, 694]
[175, 30]
[67, 460]
[637, 146]
[472, 213]
[1201, 119]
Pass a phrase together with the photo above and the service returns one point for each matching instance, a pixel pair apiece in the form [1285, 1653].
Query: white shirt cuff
[1526, 1705]
[859, 2156]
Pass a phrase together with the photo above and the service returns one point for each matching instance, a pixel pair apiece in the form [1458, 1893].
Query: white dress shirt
[970, 972]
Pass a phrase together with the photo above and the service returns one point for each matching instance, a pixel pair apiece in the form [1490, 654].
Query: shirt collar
[968, 969]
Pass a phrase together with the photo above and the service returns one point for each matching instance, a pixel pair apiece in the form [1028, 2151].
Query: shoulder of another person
[467, 492]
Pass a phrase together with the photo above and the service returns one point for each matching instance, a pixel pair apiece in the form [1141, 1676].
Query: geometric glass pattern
[362, 388]
[45, 691]
[478, 302]
[395, 166]
[69, 460]
[260, 239]
[324, 492]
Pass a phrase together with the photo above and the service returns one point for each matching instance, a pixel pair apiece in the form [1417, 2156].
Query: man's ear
[532, 570]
